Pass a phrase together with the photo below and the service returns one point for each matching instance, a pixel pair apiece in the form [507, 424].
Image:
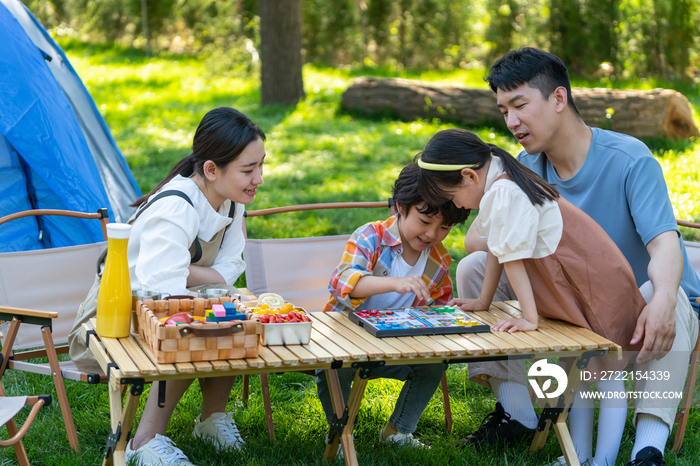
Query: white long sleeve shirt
[160, 239]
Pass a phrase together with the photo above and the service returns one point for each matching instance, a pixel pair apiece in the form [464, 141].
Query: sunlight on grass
[316, 152]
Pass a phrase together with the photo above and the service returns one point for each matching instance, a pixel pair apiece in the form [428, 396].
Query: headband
[440, 167]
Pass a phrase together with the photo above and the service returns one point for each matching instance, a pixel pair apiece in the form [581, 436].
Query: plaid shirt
[371, 250]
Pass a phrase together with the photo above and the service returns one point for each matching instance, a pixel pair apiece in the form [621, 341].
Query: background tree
[645, 38]
[280, 51]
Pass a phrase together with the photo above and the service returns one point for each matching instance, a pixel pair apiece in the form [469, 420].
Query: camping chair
[55, 281]
[299, 269]
[9, 407]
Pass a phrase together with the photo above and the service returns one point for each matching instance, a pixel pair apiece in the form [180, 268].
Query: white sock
[612, 416]
[581, 423]
[515, 400]
[651, 432]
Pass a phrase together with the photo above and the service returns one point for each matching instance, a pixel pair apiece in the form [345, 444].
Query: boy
[399, 262]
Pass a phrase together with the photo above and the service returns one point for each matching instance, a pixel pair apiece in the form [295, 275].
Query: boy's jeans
[421, 382]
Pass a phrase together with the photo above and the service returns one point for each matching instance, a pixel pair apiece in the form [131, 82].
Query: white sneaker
[220, 430]
[561, 461]
[160, 451]
[401, 439]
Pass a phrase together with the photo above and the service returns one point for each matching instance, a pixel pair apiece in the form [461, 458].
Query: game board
[412, 321]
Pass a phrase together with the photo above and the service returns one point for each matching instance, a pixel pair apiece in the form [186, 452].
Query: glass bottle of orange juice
[114, 297]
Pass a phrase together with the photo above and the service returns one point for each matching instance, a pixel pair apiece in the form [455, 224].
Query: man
[614, 179]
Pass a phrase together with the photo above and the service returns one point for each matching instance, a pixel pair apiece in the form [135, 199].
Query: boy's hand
[469, 304]
[413, 284]
[513, 325]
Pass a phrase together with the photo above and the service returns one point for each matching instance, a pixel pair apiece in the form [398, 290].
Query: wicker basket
[194, 343]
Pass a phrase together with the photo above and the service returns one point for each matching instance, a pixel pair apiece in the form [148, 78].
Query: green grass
[316, 153]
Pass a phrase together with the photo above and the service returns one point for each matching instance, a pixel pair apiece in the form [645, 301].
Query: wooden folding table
[337, 342]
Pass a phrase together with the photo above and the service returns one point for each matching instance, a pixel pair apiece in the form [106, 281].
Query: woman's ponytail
[184, 167]
[533, 185]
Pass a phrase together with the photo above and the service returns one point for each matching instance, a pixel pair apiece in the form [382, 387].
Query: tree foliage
[594, 37]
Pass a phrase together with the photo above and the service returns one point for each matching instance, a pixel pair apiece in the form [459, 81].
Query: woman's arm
[204, 276]
[229, 260]
[518, 279]
[473, 241]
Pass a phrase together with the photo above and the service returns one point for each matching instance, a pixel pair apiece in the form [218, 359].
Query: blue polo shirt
[622, 187]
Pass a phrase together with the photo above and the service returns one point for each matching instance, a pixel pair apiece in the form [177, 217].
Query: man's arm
[473, 241]
[657, 322]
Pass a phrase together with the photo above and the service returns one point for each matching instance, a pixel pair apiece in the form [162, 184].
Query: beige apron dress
[202, 253]
[587, 281]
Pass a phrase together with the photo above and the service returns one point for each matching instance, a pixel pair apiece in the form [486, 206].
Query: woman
[186, 234]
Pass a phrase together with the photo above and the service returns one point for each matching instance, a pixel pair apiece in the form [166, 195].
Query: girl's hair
[407, 194]
[221, 136]
[461, 147]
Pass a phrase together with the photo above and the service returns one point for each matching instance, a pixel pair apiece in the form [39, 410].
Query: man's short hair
[534, 67]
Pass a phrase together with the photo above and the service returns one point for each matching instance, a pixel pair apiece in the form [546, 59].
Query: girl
[560, 263]
[185, 234]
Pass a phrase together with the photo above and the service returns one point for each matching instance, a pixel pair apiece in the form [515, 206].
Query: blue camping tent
[56, 151]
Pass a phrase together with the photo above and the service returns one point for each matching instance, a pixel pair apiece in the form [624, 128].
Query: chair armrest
[18, 311]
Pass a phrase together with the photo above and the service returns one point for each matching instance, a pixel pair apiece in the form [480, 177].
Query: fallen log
[646, 114]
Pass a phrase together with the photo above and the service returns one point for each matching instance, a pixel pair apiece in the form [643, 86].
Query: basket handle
[210, 332]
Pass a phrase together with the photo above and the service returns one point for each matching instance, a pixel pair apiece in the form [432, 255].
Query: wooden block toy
[230, 308]
[218, 310]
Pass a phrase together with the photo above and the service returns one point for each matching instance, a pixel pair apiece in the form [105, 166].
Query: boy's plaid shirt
[371, 250]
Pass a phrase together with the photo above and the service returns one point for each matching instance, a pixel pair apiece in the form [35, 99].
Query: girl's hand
[513, 325]
[469, 304]
[413, 284]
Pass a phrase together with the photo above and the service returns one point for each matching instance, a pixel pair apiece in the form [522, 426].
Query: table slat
[303, 354]
[372, 350]
[285, 355]
[118, 353]
[529, 338]
[141, 360]
[185, 367]
[203, 366]
[441, 340]
[162, 368]
[270, 358]
[469, 343]
[565, 329]
[339, 340]
[419, 348]
[336, 352]
[220, 365]
[238, 364]
[432, 346]
[514, 338]
[321, 354]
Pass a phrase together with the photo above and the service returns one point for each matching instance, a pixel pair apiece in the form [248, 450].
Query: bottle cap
[118, 230]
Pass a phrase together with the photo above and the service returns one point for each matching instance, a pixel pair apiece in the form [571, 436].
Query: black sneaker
[648, 456]
[497, 426]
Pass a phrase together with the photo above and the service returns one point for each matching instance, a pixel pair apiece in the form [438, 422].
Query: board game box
[411, 321]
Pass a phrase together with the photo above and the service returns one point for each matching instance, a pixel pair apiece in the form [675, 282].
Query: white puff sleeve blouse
[159, 244]
[513, 227]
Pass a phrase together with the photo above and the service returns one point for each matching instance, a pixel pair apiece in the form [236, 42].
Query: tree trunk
[647, 114]
[280, 51]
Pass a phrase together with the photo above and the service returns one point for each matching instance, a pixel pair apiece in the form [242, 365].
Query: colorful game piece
[230, 308]
[218, 310]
